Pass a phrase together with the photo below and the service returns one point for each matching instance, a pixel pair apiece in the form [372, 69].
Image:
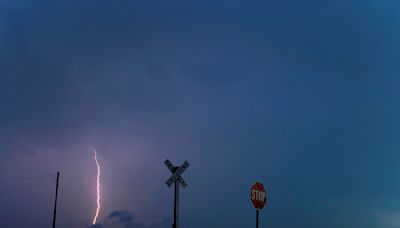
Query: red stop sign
[258, 195]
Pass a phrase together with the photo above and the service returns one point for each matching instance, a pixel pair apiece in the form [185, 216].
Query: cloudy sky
[300, 95]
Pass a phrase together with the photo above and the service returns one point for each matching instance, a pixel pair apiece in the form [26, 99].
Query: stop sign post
[258, 197]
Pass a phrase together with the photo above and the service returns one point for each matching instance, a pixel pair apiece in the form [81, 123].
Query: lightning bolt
[98, 186]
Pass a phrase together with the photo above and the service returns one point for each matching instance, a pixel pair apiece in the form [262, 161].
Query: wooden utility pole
[55, 201]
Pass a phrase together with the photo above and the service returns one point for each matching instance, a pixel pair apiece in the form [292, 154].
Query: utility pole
[55, 201]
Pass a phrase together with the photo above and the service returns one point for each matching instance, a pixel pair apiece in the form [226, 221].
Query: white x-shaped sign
[176, 173]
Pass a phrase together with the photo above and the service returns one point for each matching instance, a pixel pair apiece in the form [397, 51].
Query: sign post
[257, 215]
[258, 197]
[176, 179]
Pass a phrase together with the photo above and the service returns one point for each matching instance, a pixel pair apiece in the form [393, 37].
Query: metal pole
[55, 201]
[257, 212]
[176, 206]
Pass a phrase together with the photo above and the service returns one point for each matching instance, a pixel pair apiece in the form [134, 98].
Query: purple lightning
[98, 186]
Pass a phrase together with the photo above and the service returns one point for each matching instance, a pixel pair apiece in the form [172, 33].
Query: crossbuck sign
[176, 173]
[176, 179]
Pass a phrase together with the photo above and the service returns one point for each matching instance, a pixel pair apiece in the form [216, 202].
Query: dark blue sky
[300, 95]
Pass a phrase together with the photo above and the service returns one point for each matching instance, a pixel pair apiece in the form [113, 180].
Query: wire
[27, 178]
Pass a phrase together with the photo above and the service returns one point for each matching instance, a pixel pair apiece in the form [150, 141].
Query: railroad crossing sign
[176, 173]
[176, 179]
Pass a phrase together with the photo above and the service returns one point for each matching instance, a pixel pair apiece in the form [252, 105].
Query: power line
[27, 178]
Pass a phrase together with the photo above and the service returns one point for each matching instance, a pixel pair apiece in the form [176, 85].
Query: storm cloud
[300, 95]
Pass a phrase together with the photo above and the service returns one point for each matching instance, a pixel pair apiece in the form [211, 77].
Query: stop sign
[258, 195]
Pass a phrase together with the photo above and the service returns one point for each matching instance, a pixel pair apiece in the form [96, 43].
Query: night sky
[300, 95]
